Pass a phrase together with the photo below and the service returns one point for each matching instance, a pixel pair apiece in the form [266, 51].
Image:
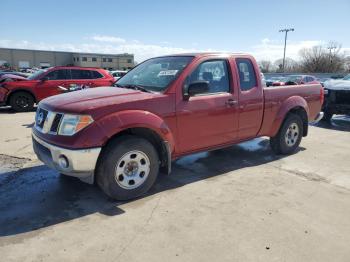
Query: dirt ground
[242, 203]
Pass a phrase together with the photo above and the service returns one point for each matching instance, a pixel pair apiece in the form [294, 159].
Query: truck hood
[337, 84]
[91, 100]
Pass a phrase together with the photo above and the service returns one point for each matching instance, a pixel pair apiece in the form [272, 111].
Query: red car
[297, 80]
[22, 95]
[165, 108]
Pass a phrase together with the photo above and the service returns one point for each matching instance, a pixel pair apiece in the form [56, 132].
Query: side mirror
[45, 78]
[196, 88]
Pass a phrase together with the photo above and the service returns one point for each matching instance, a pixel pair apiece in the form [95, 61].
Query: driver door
[49, 85]
[208, 119]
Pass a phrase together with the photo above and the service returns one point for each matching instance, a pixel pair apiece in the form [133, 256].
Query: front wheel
[289, 136]
[22, 102]
[128, 168]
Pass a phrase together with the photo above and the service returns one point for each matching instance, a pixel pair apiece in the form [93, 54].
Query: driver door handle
[231, 102]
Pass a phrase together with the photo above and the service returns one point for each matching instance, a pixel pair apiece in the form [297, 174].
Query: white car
[337, 97]
[118, 74]
[338, 84]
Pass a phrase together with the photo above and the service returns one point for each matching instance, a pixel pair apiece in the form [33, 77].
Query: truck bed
[277, 98]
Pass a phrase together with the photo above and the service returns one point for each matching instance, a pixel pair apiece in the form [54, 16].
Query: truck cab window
[247, 76]
[215, 72]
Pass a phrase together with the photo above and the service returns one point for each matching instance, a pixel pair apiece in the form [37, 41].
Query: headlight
[72, 124]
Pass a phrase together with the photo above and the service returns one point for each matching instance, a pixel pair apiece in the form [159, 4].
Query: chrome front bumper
[81, 162]
[317, 118]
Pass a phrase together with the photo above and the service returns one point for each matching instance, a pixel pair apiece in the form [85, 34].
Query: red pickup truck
[165, 108]
[22, 95]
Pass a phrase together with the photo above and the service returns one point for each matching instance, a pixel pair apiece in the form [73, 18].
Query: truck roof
[203, 54]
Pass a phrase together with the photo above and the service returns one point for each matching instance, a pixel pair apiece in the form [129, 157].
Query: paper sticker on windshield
[168, 73]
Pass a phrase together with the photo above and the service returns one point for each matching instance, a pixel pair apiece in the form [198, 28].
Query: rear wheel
[289, 136]
[22, 102]
[128, 168]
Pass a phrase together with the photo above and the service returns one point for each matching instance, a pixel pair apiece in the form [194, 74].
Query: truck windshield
[155, 74]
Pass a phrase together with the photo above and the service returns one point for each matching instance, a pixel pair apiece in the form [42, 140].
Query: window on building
[81, 74]
[129, 61]
[84, 59]
[73, 59]
[247, 77]
[94, 59]
[57, 75]
[110, 60]
[104, 59]
[77, 59]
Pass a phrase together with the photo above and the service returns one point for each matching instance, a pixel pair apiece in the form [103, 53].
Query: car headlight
[71, 124]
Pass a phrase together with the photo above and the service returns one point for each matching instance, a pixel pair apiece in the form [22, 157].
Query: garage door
[23, 64]
[44, 65]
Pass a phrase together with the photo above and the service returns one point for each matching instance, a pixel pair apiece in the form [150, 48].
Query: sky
[157, 27]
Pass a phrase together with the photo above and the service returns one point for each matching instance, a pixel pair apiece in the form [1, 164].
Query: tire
[327, 117]
[127, 168]
[289, 136]
[22, 102]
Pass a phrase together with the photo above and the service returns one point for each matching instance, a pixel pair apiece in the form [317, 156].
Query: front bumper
[317, 118]
[81, 163]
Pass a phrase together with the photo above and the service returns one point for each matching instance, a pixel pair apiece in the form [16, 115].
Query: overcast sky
[151, 28]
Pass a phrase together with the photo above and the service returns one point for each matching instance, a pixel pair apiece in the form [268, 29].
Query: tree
[321, 59]
[265, 66]
[290, 65]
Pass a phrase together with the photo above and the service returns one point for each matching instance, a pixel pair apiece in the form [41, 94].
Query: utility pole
[286, 30]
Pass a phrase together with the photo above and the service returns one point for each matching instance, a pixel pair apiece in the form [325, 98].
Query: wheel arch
[141, 124]
[293, 105]
[10, 94]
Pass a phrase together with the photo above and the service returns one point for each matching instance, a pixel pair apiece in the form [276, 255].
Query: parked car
[10, 77]
[165, 108]
[14, 73]
[118, 74]
[274, 79]
[297, 80]
[337, 97]
[323, 80]
[22, 95]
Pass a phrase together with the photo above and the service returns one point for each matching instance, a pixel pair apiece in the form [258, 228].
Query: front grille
[47, 121]
[56, 122]
[40, 117]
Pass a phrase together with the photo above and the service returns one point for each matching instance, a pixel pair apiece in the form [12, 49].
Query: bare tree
[290, 66]
[265, 66]
[320, 59]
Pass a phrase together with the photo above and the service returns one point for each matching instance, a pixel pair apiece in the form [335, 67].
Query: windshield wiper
[135, 87]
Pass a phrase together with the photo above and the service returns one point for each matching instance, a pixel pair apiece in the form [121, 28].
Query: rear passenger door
[251, 99]
[81, 78]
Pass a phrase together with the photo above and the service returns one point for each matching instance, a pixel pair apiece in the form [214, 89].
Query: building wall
[36, 58]
[111, 62]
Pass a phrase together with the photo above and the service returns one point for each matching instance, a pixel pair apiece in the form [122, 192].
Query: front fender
[286, 106]
[119, 121]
